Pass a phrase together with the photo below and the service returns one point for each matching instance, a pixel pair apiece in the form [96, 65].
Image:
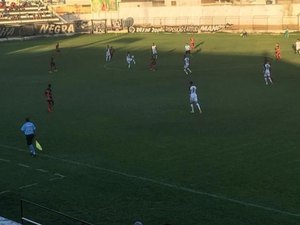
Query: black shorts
[29, 139]
[50, 102]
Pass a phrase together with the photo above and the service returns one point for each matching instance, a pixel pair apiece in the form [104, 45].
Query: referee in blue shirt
[28, 129]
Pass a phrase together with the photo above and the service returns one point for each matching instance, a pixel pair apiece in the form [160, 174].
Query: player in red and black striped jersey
[49, 97]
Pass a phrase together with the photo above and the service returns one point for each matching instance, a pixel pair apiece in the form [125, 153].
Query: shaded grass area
[114, 131]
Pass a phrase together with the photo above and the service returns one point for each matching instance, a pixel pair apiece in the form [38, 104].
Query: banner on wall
[98, 26]
[116, 24]
[104, 5]
[178, 29]
[52, 28]
[8, 31]
[17, 30]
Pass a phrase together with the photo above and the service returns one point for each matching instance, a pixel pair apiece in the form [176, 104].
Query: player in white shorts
[186, 65]
[267, 72]
[130, 59]
[194, 97]
[154, 51]
[297, 46]
[107, 54]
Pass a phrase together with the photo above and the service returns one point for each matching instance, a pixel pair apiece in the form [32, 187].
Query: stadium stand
[26, 11]
[4, 221]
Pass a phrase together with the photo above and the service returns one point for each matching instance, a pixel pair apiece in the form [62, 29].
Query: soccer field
[121, 144]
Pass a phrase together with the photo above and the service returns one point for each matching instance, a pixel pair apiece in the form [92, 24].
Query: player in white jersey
[130, 59]
[297, 46]
[187, 49]
[154, 51]
[267, 72]
[186, 65]
[194, 97]
[107, 54]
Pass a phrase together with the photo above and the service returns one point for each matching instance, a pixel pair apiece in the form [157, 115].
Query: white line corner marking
[173, 186]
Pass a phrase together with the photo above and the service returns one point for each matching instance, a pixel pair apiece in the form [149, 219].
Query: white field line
[28, 186]
[4, 192]
[56, 178]
[173, 186]
[4, 160]
[42, 170]
[23, 165]
[59, 175]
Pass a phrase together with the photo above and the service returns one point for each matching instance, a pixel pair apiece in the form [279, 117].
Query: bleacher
[26, 11]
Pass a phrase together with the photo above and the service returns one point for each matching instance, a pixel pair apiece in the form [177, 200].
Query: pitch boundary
[164, 184]
[55, 176]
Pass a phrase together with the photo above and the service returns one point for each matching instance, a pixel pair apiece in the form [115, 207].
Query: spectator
[244, 34]
[286, 33]
[297, 46]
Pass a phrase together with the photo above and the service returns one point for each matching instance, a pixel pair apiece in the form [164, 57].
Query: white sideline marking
[42, 170]
[60, 175]
[3, 192]
[27, 186]
[4, 160]
[23, 165]
[30, 221]
[55, 178]
[173, 186]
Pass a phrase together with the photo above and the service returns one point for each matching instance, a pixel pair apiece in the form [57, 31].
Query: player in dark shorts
[49, 97]
[28, 128]
[152, 63]
[57, 49]
[53, 67]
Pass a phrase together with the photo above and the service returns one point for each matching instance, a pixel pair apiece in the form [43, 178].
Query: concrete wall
[252, 17]
[201, 11]
[183, 2]
[78, 2]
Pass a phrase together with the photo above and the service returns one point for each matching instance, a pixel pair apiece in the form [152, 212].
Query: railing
[45, 213]
[27, 12]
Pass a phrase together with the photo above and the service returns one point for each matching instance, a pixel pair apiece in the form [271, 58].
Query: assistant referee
[28, 128]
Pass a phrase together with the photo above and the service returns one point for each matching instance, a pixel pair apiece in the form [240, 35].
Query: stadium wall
[260, 18]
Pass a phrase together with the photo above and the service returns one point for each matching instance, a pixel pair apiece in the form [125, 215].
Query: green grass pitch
[128, 147]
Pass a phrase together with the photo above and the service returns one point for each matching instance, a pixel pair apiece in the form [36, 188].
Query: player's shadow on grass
[294, 47]
[105, 41]
[197, 47]
[126, 40]
[200, 43]
[172, 50]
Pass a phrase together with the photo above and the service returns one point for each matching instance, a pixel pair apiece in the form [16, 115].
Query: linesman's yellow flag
[38, 146]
